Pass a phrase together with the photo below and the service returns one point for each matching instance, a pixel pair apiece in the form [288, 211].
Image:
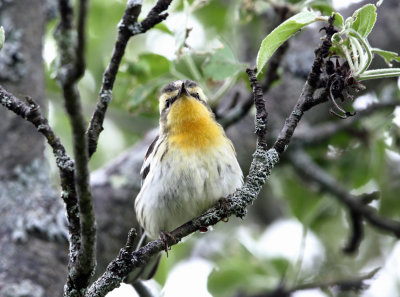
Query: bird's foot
[223, 204]
[164, 236]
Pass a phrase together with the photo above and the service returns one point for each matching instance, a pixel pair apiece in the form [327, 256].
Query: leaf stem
[379, 73]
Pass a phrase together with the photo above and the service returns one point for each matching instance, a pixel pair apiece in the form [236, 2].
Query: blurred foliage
[211, 42]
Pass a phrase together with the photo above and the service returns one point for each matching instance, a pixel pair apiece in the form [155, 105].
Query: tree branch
[128, 27]
[357, 233]
[31, 112]
[323, 132]
[306, 166]
[309, 96]
[261, 114]
[357, 283]
[238, 112]
[347, 284]
[80, 63]
[271, 75]
[71, 67]
[85, 263]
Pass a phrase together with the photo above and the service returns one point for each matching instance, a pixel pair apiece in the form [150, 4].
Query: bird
[189, 166]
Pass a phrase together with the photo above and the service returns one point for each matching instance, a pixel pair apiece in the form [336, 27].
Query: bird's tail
[147, 271]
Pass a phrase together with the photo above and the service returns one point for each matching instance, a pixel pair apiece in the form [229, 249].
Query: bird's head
[182, 102]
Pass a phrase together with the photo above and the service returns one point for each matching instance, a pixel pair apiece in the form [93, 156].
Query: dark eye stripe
[169, 102]
[195, 95]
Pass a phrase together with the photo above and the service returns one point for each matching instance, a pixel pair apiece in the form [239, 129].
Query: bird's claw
[223, 204]
[164, 237]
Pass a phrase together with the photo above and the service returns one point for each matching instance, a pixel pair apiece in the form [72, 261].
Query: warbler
[190, 165]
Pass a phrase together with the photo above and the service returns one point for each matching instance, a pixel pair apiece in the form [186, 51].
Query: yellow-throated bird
[189, 166]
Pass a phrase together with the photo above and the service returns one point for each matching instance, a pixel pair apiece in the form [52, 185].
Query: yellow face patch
[192, 127]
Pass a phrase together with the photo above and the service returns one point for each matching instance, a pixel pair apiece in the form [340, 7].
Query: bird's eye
[167, 103]
[196, 95]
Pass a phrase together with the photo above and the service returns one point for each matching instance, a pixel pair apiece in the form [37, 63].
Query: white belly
[171, 195]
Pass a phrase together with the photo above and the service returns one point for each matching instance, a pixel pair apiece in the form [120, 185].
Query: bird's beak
[183, 91]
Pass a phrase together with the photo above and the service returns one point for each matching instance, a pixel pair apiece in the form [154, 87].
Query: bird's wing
[147, 160]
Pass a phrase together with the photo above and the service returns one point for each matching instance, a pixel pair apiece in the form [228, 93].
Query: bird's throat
[192, 127]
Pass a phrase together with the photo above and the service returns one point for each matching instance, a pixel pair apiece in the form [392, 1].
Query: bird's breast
[192, 127]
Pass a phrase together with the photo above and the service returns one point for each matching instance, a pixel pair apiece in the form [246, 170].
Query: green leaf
[215, 11]
[338, 20]
[149, 66]
[364, 19]
[163, 27]
[140, 94]
[221, 64]
[158, 64]
[2, 37]
[245, 272]
[324, 7]
[388, 56]
[230, 278]
[301, 199]
[280, 34]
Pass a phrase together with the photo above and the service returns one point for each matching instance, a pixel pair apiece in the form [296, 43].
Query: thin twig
[323, 132]
[350, 283]
[155, 15]
[346, 284]
[128, 27]
[308, 168]
[261, 114]
[71, 68]
[86, 259]
[357, 233]
[271, 75]
[307, 99]
[130, 246]
[236, 113]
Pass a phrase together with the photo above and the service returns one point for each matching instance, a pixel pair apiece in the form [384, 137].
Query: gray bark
[32, 233]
